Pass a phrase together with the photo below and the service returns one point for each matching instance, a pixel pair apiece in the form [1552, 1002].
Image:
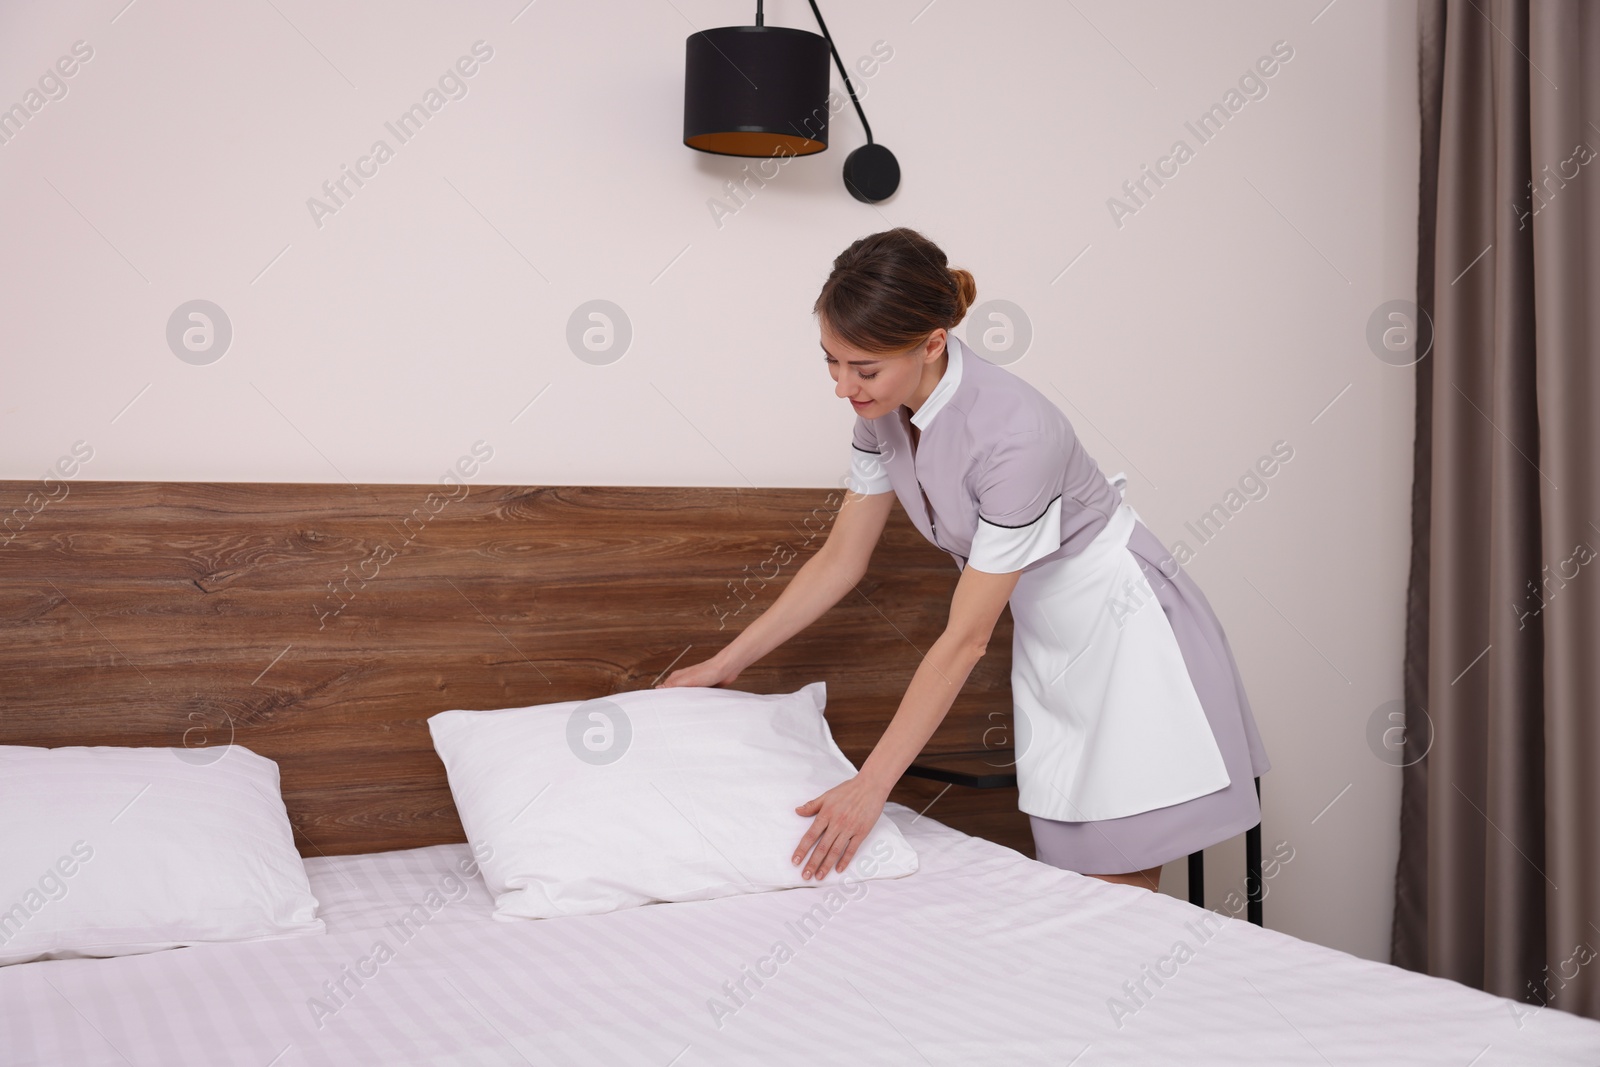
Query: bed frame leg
[1197, 878]
[1252, 861]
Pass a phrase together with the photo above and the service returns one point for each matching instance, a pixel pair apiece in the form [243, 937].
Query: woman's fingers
[818, 825]
[696, 675]
[682, 676]
[834, 849]
[849, 852]
[705, 673]
[835, 852]
[843, 816]
[815, 844]
[818, 863]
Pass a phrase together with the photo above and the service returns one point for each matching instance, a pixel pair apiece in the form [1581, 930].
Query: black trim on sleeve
[869, 452]
[1024, 525]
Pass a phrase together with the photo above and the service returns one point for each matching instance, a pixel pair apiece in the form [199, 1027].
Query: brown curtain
[1498, 884]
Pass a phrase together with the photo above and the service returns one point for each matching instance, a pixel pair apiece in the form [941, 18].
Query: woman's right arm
[819, 584]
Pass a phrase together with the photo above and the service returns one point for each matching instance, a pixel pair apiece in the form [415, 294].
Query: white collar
[947, 384]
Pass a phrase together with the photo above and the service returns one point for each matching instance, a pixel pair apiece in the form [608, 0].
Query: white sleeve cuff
[1003, 549]
[867, 475]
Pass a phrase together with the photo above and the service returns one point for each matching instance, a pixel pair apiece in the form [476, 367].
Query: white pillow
[114, 851]
[684, 793]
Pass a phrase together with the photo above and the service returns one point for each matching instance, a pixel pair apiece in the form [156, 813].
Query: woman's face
[877, 383]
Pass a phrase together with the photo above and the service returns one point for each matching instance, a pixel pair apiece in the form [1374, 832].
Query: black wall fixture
[763, 91]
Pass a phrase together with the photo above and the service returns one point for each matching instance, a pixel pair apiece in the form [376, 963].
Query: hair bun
[966, 287]
[889, 290]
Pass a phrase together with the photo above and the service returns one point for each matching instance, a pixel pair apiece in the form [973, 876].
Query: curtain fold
[1498, 884]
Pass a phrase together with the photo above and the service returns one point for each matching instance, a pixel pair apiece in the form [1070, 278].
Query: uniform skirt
[1152, 838]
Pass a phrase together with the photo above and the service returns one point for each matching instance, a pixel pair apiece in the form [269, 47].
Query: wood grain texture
[321, 625]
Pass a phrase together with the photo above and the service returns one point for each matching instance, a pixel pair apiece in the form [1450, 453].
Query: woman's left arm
[846, 813]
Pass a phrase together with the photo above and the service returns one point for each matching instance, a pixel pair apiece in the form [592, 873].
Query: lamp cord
[837, 62]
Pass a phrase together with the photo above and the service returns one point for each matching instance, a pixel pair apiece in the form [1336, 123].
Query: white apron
[1108, 723]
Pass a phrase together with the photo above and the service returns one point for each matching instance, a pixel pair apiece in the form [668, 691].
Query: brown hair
[889, 290]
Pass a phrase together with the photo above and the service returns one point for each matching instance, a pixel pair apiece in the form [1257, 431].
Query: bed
[191, 615]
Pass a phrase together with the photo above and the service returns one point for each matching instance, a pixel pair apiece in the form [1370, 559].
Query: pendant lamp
[763, 91]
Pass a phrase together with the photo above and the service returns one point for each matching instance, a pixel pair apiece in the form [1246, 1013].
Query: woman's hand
[845, 815]
[711, 672]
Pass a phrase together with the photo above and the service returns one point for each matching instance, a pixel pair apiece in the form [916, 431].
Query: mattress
[982, 957]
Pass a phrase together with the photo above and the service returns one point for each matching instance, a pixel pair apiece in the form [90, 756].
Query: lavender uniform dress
[1135, 743]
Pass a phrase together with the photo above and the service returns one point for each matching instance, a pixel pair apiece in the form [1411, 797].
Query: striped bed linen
[982, 957]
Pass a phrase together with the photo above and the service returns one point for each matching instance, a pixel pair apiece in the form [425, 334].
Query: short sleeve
[867, 475]
[1019, 490]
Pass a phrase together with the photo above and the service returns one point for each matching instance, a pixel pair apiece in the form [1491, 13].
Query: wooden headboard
[321, 625]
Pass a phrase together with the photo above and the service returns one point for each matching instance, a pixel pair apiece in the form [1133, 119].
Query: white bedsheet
[982, 957]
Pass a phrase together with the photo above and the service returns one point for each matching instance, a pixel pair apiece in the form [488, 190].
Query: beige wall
[380, 341]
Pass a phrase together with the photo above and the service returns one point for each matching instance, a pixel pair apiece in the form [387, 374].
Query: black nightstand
[994, 768]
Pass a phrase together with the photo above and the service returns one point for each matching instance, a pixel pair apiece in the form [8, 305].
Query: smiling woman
[1146, 750]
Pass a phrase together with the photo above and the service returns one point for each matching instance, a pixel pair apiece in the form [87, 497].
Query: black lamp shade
[756, 91]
